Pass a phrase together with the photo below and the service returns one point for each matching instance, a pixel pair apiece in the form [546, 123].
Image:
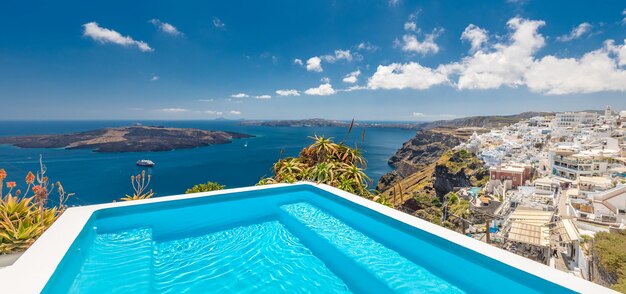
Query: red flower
[3, 174]
[11, 185]
[30, 178]
[36, 188]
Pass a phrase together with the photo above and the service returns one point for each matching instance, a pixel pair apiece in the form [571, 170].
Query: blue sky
[369, 60]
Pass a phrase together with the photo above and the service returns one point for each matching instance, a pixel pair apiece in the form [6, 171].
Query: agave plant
[23, 219]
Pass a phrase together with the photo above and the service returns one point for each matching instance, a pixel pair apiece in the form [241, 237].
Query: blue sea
[104, 177]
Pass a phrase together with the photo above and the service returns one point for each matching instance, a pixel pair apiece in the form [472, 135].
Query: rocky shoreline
[128, 139]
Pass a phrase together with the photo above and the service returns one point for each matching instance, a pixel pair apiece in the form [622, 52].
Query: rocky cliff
[416, 154]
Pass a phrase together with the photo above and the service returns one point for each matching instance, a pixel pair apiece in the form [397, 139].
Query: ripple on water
[262, 257]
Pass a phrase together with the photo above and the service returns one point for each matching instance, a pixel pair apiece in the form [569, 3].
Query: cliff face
[453, 169]
[458, 169]
[416, 154]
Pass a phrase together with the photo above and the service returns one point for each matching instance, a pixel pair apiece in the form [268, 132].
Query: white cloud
[400, 76]
[298, 61]
[322, 90]
[433, 116]
[513, 63]
[339, 55]
[476, 36]
[154, 78]
[394, 3]
[325, 80]
[314, 64]
[165, 27]
[352, 77]
[624, 13]
[595, 71]
[507, 63]
[213, 112]
[410, 26]
[206, 100]
[174, 110]
[235, 112]
[104, 35]
[263, 97]
[288, 92]
[410, 43]
[240, 95]
[367, 46]
[218, 23]
[576, 32]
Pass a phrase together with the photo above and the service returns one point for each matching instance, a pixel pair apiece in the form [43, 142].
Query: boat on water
[145, 162]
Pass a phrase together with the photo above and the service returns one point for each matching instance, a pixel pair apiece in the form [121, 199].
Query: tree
[209, 186]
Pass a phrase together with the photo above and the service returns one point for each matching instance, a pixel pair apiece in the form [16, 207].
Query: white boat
[145, 162]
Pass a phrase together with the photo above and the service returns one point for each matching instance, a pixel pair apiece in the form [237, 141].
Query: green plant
[209, 186]
[24, 217]
[140, 184]
[610, 248]
[324, 161]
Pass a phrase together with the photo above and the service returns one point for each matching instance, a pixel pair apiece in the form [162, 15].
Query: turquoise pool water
[296, 239]
[474, 191]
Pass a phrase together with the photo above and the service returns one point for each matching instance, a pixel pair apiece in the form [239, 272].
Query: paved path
[562, 205]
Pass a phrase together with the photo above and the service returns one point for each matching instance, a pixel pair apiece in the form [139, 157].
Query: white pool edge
[31, 272]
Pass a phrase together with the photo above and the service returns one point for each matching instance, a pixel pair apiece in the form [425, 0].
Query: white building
[573, 119]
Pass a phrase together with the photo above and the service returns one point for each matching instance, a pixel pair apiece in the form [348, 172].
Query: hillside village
[545, 187]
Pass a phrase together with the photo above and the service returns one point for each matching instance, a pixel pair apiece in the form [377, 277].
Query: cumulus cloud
[235, 112]
[410, 26]
[366, 46]
[165, 27]
[513, 63]
[104, 35]
[476, 36]
[576, 32]
[314, 64]
[298, 62]
[410, 75]
[352, 77]
[595, 71]
[263, 97]
[288, 92]
[321, 90]
[218, 23]
[338, 55]
[173, 110]
[507, 63]
[240, 95]
[410, 43]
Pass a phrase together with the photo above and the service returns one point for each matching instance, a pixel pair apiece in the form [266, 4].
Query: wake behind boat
[145, 162]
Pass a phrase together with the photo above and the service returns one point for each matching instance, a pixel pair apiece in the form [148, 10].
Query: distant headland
[472, 121]
[128, 139]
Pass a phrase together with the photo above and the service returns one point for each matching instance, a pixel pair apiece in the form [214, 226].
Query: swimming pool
[281, 238]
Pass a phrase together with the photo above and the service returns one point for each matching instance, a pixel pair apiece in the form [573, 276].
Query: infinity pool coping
[31, 272]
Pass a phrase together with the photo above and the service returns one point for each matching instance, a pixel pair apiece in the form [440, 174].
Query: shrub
[24, 217]
[610, 248]
[209, 186]
[326, 162]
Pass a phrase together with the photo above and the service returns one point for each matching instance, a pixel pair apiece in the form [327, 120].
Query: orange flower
[3, 174]
[36, 188]
[11, 185]
[30, 178]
